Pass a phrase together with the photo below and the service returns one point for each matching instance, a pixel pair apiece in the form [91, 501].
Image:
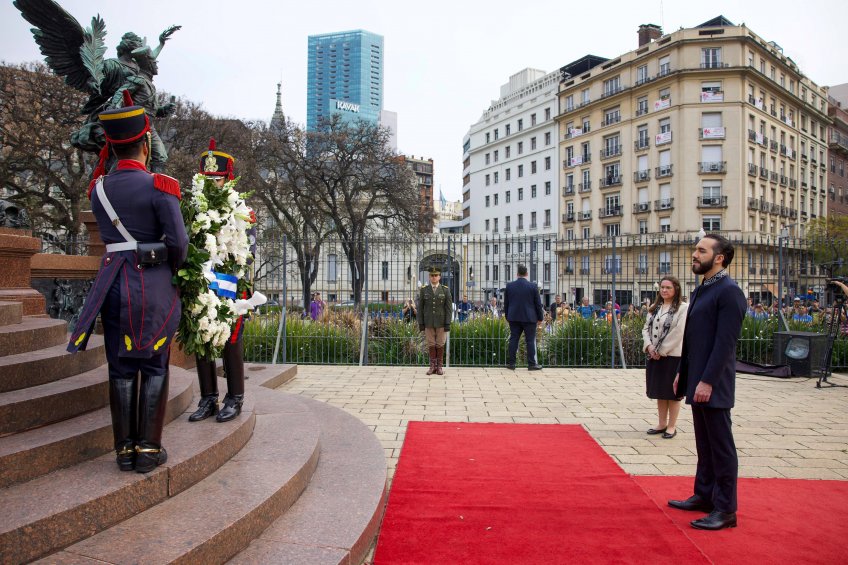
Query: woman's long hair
[675, 301]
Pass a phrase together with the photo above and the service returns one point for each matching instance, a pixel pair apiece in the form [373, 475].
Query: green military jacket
[435, 308]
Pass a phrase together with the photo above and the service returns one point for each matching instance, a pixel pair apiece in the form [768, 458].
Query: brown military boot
[432, 352]
[440, 351]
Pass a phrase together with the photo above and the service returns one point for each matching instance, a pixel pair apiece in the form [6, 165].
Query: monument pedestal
[16, 250]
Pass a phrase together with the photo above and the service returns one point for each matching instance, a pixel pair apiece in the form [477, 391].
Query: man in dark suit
[523, 310]
[708, 375]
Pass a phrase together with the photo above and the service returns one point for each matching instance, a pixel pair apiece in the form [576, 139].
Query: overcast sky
[444, 60]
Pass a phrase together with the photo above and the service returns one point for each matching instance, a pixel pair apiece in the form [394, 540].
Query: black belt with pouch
[150, 254]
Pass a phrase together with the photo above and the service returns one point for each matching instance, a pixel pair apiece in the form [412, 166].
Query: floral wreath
[217, 220]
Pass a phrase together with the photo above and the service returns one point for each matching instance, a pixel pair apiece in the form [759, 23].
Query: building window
[496, 199]
[532, 220]
[332, 266]
[532, 167]
[587, 233]
[488, 138]
[494, 273]
[507, 129]
[547, 138]
[612, 230]
[385, 270]
[711, 223]
[508, 174]
[487, 225]
[643, 226]
[487, 180]
[496, 180]
[532, 119]
[548, 188]
[496, 156]
[711, 58]
[506, 152]
[520, 125]
[520, 147]
[520, 223]
[488, 158]
[611, 86]
[547, 223]
[641, 74]
[487, 201]
[641, 105]
[532, 143]
[506, 197]
[496, 134]
[507, 223]
[521, 194]
[547, 163]
[532, 191]
[665, 225]
[520, 171]
[546, 272]
[547, 114]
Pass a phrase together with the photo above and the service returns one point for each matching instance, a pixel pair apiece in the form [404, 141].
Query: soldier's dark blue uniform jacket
[148, 207]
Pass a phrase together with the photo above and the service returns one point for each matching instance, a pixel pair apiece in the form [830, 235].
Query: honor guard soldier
[435, 309]
[139, 218]
[219, 166]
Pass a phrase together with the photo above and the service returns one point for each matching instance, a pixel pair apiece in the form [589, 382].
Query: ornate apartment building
[710, 127]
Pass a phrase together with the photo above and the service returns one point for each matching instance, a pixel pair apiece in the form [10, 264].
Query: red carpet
[520, 493]
[780, 521]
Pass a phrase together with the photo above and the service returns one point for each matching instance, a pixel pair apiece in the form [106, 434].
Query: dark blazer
[522, 302]
[713, 326]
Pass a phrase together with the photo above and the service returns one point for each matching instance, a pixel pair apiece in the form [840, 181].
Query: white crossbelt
[130, 244]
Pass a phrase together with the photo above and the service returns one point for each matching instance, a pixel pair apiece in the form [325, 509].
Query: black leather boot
[123, 398]
[233, 358]
[208, 405]
[151, 417]
[231, 407]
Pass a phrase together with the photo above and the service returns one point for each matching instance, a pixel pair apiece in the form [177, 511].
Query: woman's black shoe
[654, 431]
[667, 435]
[208, 406]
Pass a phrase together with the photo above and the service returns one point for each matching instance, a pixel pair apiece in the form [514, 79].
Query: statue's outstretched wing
[60, 38]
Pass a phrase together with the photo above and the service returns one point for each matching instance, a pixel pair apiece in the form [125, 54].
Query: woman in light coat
[662, 338]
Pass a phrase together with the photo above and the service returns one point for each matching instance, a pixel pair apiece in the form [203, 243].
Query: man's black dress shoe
[654, 431]
[694, 502]
[667, 435]
[510, 367]
[715, 521]
[534, 368]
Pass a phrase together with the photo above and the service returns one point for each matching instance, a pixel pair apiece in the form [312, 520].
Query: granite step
[50, 364]
[31, 334]
[36, 452]
[44, 515]
[217, 517]
[338, 516]
[11, 313]
[37, 406]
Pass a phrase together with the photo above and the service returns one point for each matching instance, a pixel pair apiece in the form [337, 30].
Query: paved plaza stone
[783, 427]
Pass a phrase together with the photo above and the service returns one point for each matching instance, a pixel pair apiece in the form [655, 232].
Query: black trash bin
[802, 351]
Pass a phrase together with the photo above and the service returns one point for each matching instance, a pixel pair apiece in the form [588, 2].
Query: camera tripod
[839, 312]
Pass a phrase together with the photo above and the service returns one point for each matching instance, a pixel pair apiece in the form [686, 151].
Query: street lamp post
[784, 235]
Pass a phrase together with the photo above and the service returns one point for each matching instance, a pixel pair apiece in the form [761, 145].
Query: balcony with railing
[610, 181]
[641, 207]
[714, 65]
[584, 270]
[585, 215]
[784, 150]
[753, 203]
[773, 145]
[641, 111]
[642, 144]
[642, 176]
[764, 173]
[585, 186]
[712, 202]
[783, 180]
[773, 176]
[665, 70]
[568, 190]
[568, 217]
[712, 167]
[610, 120]
[663, 171]
[757, 103]
[752, 169]
[793, 183]
[664, 204]
[838, 139]
[612, 151]
[610, 212]
[612, 91]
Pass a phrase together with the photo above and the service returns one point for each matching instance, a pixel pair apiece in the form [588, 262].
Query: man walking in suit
[708, 375]
[523, 310]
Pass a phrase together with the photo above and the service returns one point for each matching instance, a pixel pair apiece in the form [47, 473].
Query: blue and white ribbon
[224, 285]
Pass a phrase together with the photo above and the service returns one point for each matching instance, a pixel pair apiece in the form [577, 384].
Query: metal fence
[359, 315]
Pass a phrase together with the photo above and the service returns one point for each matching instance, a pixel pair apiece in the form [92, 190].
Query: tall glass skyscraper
[345, 75]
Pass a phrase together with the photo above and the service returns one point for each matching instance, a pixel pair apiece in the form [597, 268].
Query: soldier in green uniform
[435, 308]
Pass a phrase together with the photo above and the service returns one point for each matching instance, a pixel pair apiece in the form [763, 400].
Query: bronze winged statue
[77, 55]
